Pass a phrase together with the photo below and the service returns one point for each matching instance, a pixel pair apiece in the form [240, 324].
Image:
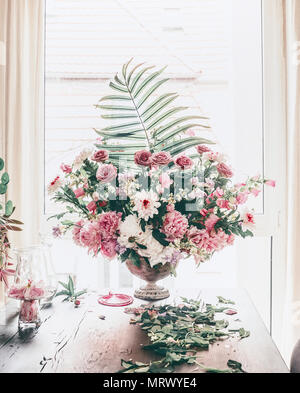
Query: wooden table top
[77, 340]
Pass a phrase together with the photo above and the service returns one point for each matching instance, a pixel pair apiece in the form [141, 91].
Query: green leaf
[1, 164]
[3, 188]
[244, 333]
[5, 178]
[225, 301]
[9, 208]
[64, 285]
[71, 286]
[61, 293]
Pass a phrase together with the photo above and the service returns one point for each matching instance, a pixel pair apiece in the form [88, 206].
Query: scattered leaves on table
[178, 333]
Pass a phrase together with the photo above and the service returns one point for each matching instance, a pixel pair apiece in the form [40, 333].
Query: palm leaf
[152, 124]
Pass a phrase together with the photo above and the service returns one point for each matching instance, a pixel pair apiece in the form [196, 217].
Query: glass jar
[31, 284]
[52, 280]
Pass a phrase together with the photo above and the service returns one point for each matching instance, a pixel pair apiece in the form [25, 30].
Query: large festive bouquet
[151, 189]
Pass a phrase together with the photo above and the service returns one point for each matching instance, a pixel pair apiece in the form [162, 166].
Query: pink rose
[202, 149]
[224, 170]
[92, 207]
[184, 162]
[108, 248]
[66, 168]
[161, 158]
[174, 226]
[79, 192]
[100, 156]
[106, 173]
[76, 232]
[108, 224]
[143, 157]
[271, 183]
[211, 222]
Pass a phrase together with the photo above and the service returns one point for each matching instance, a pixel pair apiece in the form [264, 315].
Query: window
[213, 49]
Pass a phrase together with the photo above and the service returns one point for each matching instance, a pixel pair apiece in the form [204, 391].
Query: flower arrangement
[6, 224]
[151, 190]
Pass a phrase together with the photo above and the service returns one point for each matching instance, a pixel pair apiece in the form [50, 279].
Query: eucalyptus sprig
[69, 291]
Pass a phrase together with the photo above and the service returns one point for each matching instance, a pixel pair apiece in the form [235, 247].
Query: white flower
[55, 185]
[81, 157]
[130, 232]
[146, 204]
[248, 219]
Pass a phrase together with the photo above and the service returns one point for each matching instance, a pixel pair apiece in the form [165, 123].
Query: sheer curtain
[291, 332]
[21, 110]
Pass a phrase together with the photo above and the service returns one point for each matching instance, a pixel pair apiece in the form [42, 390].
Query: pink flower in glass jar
[92, 207]
[106, 173]
[79, 192]
[184, 162]
[174, 226]
[224, 170]
[161, 158]
[100, 156]
[108, 248]
[202, 149]
[66, 168]
[143, 157]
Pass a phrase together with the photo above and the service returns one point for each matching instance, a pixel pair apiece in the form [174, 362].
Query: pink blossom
[184, 162]
[108, 248]
[219, 192]
[271, 183]
[174, 225]
[90, 237]
[202, 149]
[170, 208]
[230, 239]
[106, 173]
[108, 224]
[66, 168]
[248, 220]
[211, 221]
[165, 180]
[92, 207]
[100, 156]
[190, 133]
[76, 232]
[223, 204]
[95, 196]
[143, 157]
[203, 212]
[79, 192]
[161, 158]
[242, 198]
[224, 170]
[255, 192]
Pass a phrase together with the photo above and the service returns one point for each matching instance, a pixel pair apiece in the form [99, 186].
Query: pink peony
[271, 183]
[202, 149]
[175, 225]
[106, 173]
[92, 207]
[76, 232]
[161, 158]
[100, 156]
[108, 248]
[108, 224]
[211, 222]
[90, 237]
[79, 192]
[143, 157]
[183, 162]
[224, 170]
[66, 168]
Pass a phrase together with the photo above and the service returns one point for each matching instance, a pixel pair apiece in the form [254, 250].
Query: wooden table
[77, 340]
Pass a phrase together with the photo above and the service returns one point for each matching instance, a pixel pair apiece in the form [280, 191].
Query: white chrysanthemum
[146, 204]
[83, 155]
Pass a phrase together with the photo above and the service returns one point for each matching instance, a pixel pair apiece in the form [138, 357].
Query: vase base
[152, 293]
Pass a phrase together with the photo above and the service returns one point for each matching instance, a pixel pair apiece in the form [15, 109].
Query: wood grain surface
[76, 340]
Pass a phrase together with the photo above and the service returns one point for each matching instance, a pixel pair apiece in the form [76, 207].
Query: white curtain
[291, 331]
[22, 98]
[21, 111]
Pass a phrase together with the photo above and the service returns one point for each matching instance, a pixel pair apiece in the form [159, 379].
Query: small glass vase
[30, 286]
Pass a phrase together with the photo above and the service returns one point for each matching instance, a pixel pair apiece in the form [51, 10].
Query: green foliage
[69, 291]
[141, 121]
[177, 334]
